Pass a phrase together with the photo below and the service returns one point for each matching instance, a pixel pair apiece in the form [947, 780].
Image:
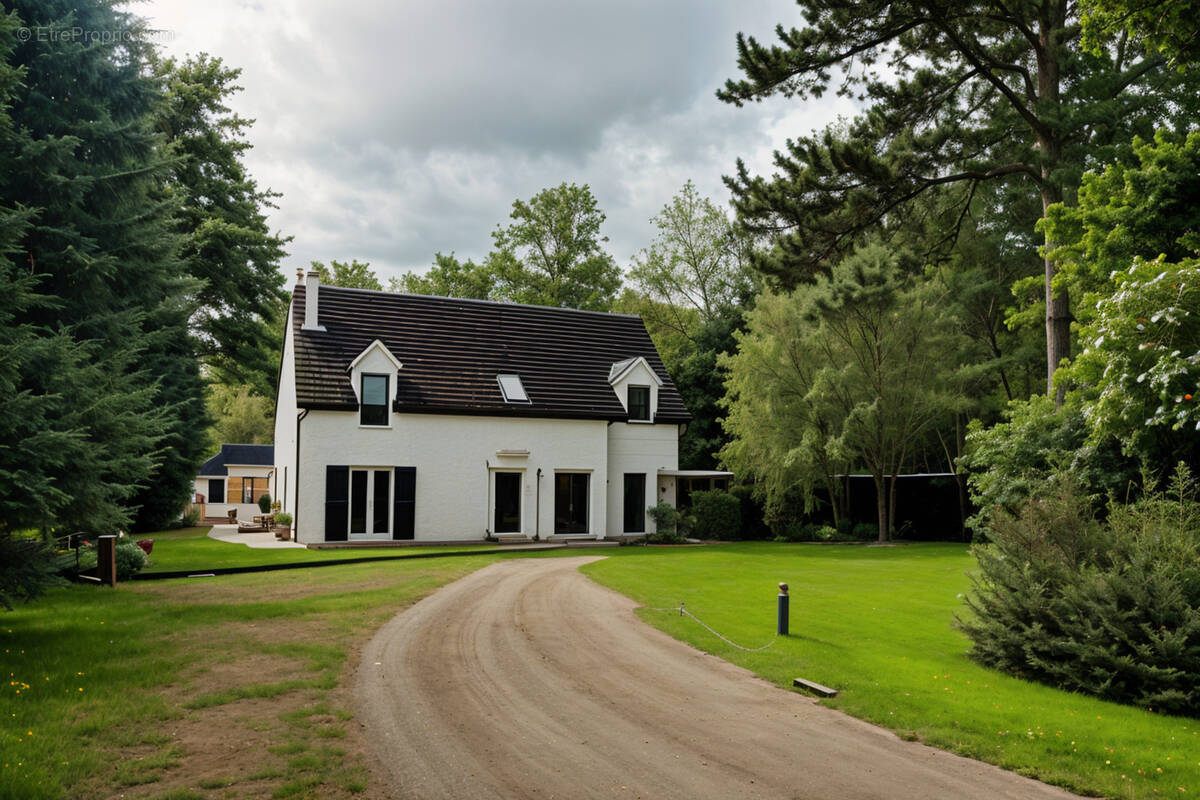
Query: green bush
[865, 531]
[810, 532]
[717, 515]
[1015, 458]
[190, 518]
[283, 519]
[264, 503]
[666, 517]
[1109, 608]
[130, 558]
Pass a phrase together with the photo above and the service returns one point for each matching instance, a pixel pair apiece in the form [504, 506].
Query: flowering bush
[1142, 354]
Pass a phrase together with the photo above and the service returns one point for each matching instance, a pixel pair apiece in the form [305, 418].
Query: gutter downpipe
[537, 508]
[296, 497]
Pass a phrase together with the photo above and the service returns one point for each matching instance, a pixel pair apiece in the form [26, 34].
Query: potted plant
[283, 526]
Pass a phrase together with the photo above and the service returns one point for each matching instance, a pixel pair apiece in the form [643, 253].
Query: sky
[394, 130]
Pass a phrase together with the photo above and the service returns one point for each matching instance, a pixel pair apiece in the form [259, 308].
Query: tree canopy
[957, 94]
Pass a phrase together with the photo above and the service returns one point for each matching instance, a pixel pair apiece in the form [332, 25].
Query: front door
[370, 503]
[508, 503]
[635, 502]
[571, 502]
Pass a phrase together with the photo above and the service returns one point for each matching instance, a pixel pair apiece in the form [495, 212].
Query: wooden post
[106, 554]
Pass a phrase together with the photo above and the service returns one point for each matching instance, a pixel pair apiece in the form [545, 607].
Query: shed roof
[244, 455]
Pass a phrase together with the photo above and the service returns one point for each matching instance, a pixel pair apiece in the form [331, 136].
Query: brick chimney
[312, 285]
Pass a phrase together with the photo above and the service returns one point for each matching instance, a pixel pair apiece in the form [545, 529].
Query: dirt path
[527, 680]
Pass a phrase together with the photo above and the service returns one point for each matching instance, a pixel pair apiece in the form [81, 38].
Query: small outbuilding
[233, 480]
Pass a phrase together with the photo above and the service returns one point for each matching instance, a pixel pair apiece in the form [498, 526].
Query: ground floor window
[508, 503]
[571, 502]
[246, 490]
[370, 501]
[635, 502]
[216, 490]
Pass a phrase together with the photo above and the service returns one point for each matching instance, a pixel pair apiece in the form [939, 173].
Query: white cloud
[394, 130]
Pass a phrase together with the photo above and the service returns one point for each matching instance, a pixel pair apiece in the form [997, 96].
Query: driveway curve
[528, 680]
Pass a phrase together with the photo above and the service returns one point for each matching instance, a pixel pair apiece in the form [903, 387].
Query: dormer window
[639, 403]
[512, 389]
[373, 410]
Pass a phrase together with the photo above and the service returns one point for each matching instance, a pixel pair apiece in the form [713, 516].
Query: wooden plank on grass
[814, 687]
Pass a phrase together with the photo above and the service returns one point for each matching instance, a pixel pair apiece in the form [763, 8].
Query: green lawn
[192, 549]
[98, 679]
[877, 623]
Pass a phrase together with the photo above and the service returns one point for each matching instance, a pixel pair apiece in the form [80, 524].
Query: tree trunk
[1049, 138]
[881, 504]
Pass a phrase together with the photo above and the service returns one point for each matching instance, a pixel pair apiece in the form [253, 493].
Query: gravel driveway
[527, 680]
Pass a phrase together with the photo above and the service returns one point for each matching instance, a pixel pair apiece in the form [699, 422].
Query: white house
[441, 419]
[234, 479]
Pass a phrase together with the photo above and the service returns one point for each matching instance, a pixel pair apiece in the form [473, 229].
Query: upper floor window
[374, 407]
[639, 403]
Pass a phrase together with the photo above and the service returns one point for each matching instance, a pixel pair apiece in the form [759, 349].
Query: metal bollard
[782, 628]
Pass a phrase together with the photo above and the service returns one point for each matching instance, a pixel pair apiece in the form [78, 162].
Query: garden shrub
[1109, 608]
[717, 515]
[130, 558]
[865, 531]
[754, 525]
[190, 518]
[666, 517]
[810, 532]
[264, 503]
[1015, 458]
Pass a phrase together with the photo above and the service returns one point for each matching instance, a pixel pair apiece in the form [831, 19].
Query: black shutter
[404, 503]
[337, 503]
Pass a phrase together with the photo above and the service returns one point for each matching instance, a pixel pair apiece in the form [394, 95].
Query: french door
[370, 503]
[571, 502]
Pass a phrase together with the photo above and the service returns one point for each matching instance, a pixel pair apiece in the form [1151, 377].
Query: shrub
[666, 517]
[1108, 608]
[754, 524]
[665, 537]
[718, 515]
[190, 518]
[28, 566]
[809, 532]
[864, 531]
[264, 503]
[1014, 459]
[130, 558]
[283, 519]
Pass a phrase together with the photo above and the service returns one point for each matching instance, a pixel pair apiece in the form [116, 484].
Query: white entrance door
[370, 503]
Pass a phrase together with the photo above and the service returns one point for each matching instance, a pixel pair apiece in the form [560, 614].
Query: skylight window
[512, 389]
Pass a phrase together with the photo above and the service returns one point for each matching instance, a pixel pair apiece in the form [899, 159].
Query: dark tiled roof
[257, 455]
[453, 349]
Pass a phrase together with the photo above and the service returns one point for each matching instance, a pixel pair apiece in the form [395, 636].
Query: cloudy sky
[398, 129]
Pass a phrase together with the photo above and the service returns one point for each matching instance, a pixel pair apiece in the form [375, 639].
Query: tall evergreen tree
[90, 170]
[958, 93]
[227, 243]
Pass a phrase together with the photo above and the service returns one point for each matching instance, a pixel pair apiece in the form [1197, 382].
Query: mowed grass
[103, 688]
[877, 623]
[191, 549]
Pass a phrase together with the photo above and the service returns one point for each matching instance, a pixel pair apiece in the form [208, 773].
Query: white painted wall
[455, 456]
[634, 447]
[285, 425]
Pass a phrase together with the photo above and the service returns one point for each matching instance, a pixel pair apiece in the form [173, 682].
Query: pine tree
[227, 243]
[957, 94]
[89, 169]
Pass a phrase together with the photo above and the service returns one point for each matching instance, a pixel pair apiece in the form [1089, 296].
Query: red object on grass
[146, 545]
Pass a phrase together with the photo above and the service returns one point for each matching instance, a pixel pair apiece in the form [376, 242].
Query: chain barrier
[683, 611]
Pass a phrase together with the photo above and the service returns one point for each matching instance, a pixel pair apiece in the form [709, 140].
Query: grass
[191, 549]
[113, 692]
[877, 623]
